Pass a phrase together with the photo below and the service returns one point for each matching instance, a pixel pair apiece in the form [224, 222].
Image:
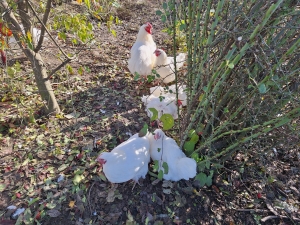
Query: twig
[67, 60]
[59, 67]
[281, 217]
[252, 210]
[45, 18]
[35, 14]
[89, 195]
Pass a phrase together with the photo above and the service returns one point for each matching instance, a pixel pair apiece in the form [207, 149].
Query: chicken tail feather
[186, 168]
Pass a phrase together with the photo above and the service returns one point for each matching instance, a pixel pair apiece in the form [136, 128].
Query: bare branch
[59, 67]
[45, 18]
[35, 14]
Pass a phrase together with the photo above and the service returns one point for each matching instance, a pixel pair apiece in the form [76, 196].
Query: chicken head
[157, 52]
[148, 28]
[100, 159]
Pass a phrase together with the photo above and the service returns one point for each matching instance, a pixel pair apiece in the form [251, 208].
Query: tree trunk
[38, 66]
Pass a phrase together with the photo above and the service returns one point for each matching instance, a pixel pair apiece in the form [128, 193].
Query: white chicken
[127, 161]
[142, 59]
[165, 149]
[165, 65]
[36, 33]
[163, 105]
[170, 91]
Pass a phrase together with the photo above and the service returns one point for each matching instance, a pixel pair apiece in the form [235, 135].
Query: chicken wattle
[142, 59]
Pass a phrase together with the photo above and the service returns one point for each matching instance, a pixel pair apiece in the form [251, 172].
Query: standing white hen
[165, 65]
[165, 149]
[127, 161]
[142, 59]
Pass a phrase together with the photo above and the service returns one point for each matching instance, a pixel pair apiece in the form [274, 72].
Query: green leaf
[136, 76]
[195, 156]
[160, 175]
[158, 12]
[167, 120]
[201, 177]
[156, 165]
[191, 132]
[201, 166]
[163, 18]
[209, 181]
[2, 187]
[50, 205]
[207, 164]
[262, 88]
[33, 201]
[143, 131]
[62, 35]
[154, 114]
[62, 167]
[30, 156]
[165, 5]
[29, 44]
[282, 122]
[77, 179]
[88, 3]
[195, 138]
[189, 147]
[182, 27]
[166, 167]
[102, 177]
[28, 218]
[114, 33]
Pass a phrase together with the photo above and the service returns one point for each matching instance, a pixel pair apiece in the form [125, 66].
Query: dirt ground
[259, 184]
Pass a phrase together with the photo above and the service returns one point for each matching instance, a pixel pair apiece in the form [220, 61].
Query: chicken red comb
[157, 52]
[148, 27]
[149, 24]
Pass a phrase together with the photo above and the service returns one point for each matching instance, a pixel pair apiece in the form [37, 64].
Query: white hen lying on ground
[142, 59]
[170, 92]
[165, 149]
[127, 161]
[163, 105]
[165, 65]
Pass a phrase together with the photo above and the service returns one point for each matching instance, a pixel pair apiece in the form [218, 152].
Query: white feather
[127, 161]
[142, 59]
[36, 33]
[163, 105]
[165, 149]
[164, 65]
[170, 92]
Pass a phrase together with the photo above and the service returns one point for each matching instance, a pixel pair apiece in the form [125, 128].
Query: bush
[243, 71]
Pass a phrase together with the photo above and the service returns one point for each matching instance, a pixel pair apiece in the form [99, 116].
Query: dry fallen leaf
[72, 204]
[53, 213]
